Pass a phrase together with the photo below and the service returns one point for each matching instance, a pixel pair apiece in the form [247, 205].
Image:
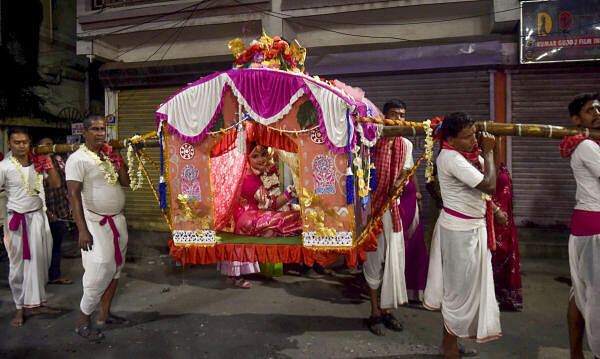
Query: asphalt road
[192, 313]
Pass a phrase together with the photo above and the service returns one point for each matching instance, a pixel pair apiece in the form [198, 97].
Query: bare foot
[103, 320]
[18, 320]
[44, 310]
[61, 281]
[449, 347]
[450, 354]
[268, 233]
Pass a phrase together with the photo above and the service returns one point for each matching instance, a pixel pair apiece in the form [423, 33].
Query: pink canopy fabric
[266, 96]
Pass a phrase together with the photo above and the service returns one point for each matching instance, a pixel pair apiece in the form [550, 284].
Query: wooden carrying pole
[63, 148]
[503, 129]
[496, 129]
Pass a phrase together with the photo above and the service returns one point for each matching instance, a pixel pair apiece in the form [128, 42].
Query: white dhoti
[99, 263]
[460, 279]
[385, 267]
[584, 262]
[28, 277]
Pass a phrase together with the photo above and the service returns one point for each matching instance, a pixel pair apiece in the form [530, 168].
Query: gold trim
[210, 188]
[166, 173]
[299, 190]
[188, 245]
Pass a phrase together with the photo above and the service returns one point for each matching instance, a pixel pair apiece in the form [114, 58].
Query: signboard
[111, 128]
[77, 128]
[560, 30]
[71, 139]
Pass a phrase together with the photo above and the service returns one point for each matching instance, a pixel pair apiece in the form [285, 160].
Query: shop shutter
[135, 115]
[544, 187]
[428, 94]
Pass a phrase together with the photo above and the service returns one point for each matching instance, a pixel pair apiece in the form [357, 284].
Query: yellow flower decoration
[236, 46]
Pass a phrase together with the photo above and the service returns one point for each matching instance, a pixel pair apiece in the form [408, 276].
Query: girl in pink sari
[262, 210]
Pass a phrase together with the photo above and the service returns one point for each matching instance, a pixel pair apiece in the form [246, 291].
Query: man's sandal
[392, 322]
[375, 325]
[89, 333]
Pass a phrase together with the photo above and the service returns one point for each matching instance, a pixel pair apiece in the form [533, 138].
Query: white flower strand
[106, 166]
[135, 182]
[363, 139]
[428, 151]
[38, 178]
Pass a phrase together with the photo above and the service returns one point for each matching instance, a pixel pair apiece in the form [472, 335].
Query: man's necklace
[38, 178]
[106, 166]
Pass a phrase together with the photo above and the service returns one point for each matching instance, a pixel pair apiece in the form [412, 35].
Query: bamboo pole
[497, 129]
[117, 144]
[503, 129]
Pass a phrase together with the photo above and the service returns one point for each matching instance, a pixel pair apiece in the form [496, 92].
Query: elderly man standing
[27, 234]
[95, 174]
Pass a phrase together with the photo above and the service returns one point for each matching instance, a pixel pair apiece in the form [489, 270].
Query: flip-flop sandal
[391, 322]
[375, 325]
[64, 281]
[242, 283]
[89, 333]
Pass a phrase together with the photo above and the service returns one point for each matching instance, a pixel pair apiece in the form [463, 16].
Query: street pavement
[193, 313]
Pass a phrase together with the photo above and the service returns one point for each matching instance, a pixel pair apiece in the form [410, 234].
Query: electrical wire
[175, 35]
[146, 21]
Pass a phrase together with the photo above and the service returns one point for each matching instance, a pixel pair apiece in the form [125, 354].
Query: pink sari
[505, 259]
[417, 261]
[240, 197]
[256, 211]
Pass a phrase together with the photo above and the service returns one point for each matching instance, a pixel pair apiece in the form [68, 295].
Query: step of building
[543, 242]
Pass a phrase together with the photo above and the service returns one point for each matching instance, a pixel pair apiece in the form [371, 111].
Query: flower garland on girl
[270, 180]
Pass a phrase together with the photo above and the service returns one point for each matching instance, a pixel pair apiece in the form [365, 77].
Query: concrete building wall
[62, 72]
[191, 29]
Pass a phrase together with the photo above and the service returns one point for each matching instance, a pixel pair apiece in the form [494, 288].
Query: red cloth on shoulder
[570, 143]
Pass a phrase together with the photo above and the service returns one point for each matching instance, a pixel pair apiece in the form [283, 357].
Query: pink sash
[585, 223]
[109, 218]
[18, 219]
[458, 214]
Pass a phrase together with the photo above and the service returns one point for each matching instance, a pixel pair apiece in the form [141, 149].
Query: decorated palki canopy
[209, 128]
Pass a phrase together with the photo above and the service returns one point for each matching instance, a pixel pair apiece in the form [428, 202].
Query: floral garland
[268, 52]
[106, 166]
[135, 182]
[38, 179]
[363, 187]
[364, 140]
[428, 151]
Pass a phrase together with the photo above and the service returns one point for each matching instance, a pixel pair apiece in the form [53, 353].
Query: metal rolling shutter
[135, 115]
[544, 187]
[427, 95]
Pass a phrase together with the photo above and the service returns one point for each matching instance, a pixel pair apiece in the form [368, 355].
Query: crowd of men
[459, 279]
